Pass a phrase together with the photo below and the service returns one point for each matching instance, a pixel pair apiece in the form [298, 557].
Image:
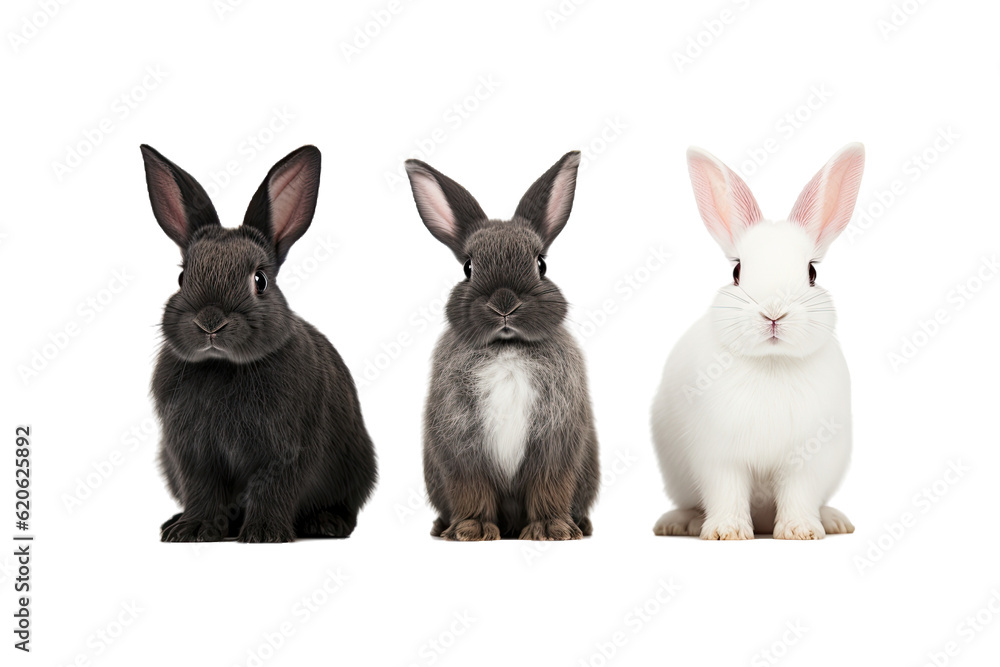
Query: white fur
[508, 399]
[752, 420]
[735, 445]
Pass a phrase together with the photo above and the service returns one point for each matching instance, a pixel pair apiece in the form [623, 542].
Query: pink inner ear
[170, 203]
[825, 205]
[434, 207]
[806, 205]
[285, 200]
[559, 198]
[725, 202]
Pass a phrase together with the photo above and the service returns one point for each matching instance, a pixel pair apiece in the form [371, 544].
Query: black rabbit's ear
[285, 202]
[447, 209]
[180, 204]
[547, 203]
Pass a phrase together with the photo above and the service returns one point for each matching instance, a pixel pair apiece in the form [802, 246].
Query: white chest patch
[507, 398]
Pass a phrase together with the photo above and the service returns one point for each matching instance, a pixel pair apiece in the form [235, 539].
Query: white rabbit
[752, 421]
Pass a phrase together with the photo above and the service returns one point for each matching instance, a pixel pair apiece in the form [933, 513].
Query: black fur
[263, 438]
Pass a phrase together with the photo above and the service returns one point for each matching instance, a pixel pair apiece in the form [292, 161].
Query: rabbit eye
[180, 279]
[259, 281]
[812, 275]
[736, 273]
[541, 265]
[468, 268]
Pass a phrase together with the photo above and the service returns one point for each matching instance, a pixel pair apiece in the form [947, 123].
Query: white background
[605, 80]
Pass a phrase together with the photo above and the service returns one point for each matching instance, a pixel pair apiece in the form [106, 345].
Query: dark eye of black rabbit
[468, 268]
[812, 275]
[260, 281]
[736, 273]
[541, 265]
[180, 279]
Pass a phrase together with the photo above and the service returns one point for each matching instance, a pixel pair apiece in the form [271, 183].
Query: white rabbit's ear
[548, 202]
[179, 202]
[825, 206]
[448, 210]
[724, 200]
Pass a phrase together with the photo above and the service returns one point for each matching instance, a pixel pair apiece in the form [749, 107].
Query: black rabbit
[510, 448]
[262, 433]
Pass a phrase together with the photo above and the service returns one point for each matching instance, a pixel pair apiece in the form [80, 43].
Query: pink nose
[773, 321]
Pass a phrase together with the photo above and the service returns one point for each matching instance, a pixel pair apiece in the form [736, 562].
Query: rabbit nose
[504, 302]
[211, 320]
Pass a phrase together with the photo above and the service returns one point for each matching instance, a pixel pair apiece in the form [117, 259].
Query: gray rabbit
[510, 448]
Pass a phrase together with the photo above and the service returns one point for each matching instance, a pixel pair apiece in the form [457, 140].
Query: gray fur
[555, 485]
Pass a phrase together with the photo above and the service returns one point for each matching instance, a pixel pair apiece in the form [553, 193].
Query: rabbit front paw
[727, 529]
[551, 529]
[182, 529]
[834, 521]
[799, 528]
[325, 523]
[679, 522]
[472, 530]
[265, 531]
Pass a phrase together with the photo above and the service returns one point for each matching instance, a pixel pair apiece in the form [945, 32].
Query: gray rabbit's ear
[447, 209]
[547, 203]
[179, 202]
[284, 204]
